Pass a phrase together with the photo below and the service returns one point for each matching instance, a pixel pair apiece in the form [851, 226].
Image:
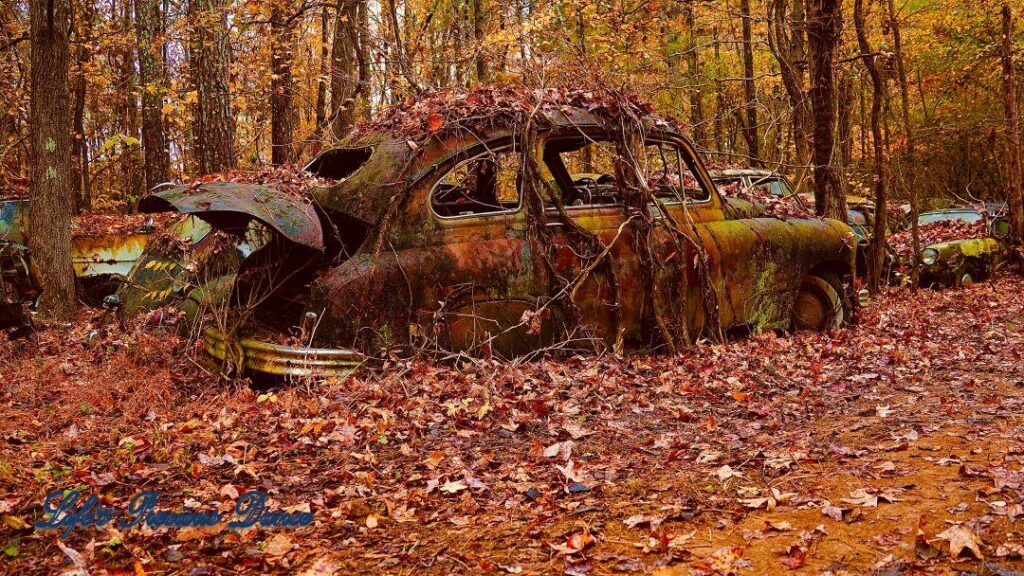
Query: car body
[957, 262]
[102, 262]
[860, 210]
[429, 246]
[99, 261]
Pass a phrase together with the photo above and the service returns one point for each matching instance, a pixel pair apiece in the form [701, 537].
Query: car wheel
[964, 277]
[818, 306]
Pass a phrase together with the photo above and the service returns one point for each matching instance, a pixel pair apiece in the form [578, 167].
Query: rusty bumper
[280, 360]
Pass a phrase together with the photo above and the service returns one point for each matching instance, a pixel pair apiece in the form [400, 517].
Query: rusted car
[446, 243]
[960, 245]
[99, 261]
[860, 210]
[102, 261]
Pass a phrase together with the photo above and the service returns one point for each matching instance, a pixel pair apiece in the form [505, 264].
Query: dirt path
[862, 452]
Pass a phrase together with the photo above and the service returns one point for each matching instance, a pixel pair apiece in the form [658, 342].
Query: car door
[606, 290]
[490, 291]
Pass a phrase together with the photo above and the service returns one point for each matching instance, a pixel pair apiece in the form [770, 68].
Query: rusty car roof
[397, 162]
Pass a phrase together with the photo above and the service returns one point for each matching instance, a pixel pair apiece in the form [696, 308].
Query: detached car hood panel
[230, 206]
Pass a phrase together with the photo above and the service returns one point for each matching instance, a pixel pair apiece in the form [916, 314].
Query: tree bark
[823, 32]
[1013, 170]
[479, 27]
[211, 76]
[693, 74]
[282, 36]
[79, 147]
[148, 26]
[786, 41]
[910, 174]
[344, 69]
[881, 176]
[749, 88]
[51, 189]
[321, 83]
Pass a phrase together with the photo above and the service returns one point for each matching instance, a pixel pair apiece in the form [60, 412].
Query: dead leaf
[321, 567]
[453, 486]
[575, 543]
[278, 545]
[560, 450]
[961, 538]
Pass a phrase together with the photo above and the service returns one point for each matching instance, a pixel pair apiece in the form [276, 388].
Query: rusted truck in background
[434, 244]
[102, 261]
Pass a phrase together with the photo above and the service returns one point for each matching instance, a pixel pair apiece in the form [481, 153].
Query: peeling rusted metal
[230, 207]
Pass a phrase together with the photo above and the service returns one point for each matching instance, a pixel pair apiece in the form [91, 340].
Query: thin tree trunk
[881, 176]
[787, 45]
[128, 86]
[749, 88]
[282, 36]
[344, 69]
[211, 74]
[321, 83]
[693, 74]
[1013, 170]
[823, 32]
[148, 24]
[910, 172]
[844, 126]
[79, 150]
[51, 189]
[479, 27]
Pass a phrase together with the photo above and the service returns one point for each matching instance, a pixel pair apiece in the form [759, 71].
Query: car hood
[231, 206]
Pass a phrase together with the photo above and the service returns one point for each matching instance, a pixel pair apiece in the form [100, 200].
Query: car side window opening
[584, 169]
[773, 186]
[966, 216]
[1001, 227]
[487, 183]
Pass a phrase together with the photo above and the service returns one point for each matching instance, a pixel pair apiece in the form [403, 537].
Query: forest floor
[892, 447]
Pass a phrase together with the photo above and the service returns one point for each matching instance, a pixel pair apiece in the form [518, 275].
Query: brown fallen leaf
[453, 486]
[321, 567]
[199, 532]
[278, 545]
[961, 538]
[560, 450]
[575, 543]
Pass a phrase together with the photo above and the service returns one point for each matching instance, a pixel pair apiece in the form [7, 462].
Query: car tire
[818, 305]
[965, 276]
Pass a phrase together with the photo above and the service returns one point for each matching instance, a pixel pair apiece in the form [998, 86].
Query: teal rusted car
[959, 262]
[470, 242]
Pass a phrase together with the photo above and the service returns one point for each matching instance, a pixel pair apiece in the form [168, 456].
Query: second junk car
[439, 241]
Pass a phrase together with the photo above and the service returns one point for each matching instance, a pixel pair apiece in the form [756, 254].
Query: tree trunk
[1013, 171]
[50, 237]
[693, 74]
[79, 148]
[282, 36]
[321, 83]
[844, 121]
[479, 27]
[749, 88]
[344, 69]
[881, 176]
[131, 163]
[788, 47]
[823, 31]
[211, 75]
[910, 173]
[148, 26]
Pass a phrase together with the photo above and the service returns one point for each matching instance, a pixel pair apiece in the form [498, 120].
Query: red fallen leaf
[795, 558]
[435, 122]
[739, 396]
